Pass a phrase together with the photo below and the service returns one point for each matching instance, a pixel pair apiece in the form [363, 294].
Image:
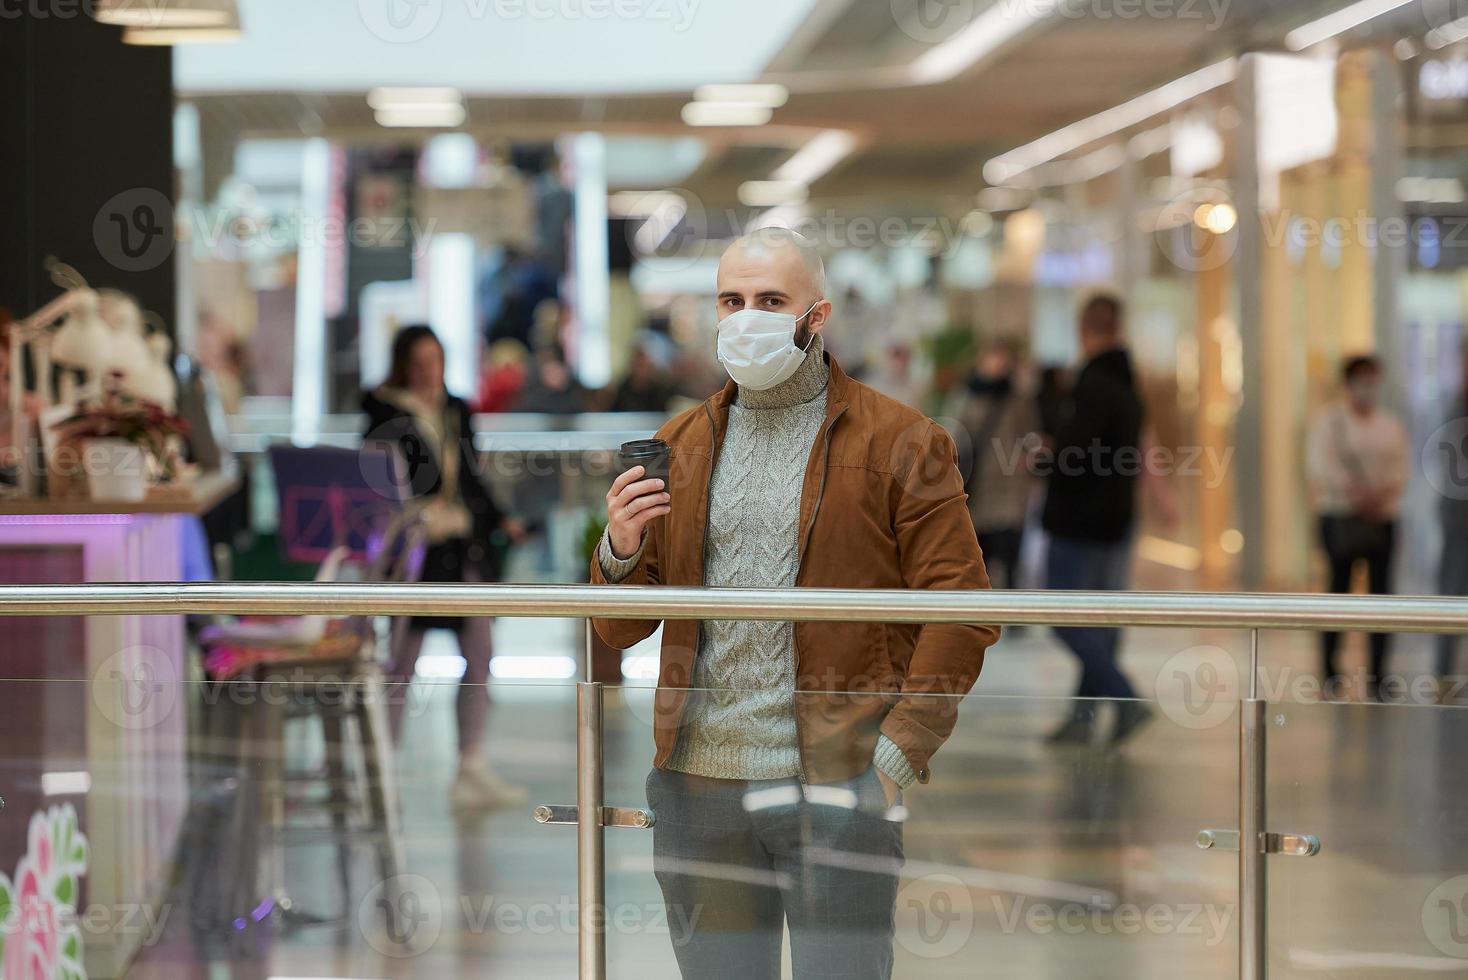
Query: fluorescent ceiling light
[726, 114]
[1068, 139]
[816, 158]
[226, 32]
[985, 34]
[772, 193]
[391, 97]
[662, 212]
[1080, 169]
[1450, 33]
[640, 204]
[1339, 22]
[1150, 141]
[440, 116]
[165, 13]
[170, 36]
[770, 95]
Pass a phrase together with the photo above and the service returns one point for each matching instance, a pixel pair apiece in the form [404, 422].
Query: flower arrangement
[121, 416]
[39, 935]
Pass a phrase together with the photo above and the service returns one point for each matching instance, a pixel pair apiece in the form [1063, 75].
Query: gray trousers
[736, 859]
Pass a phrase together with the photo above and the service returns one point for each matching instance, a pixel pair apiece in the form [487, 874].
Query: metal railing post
[590, 858]
[1253, 896]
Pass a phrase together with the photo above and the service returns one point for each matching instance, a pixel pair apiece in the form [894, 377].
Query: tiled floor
[1023, 860]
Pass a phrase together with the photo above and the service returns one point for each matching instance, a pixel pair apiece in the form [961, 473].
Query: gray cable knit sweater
[740, 721]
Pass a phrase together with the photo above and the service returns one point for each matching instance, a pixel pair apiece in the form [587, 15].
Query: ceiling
[848, 64]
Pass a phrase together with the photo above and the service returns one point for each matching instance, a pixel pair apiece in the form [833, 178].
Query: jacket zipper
[799, 561]
[703, 547]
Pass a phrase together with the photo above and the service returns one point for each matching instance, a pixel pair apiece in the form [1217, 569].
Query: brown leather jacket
[882, 507]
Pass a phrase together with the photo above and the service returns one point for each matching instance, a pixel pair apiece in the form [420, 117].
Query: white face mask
[757, 347]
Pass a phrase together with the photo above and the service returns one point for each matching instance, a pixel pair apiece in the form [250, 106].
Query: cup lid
[644, 447]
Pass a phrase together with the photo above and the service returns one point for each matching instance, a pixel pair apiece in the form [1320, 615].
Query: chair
[314, 667]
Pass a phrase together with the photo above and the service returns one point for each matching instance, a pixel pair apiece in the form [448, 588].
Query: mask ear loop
[806, 349]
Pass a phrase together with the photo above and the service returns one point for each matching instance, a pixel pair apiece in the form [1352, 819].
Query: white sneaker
[480, 788]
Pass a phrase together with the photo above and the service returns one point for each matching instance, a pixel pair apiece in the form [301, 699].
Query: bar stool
[272, 673]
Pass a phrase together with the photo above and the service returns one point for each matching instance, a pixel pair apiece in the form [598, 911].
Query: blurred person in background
[1356, 463]
[551, 388]
[1090, 510]
[792, 475]
[413, 411]
[503, 376]
[1050, 395]
[897, 377]
[647, 387]
[512, 294]
[998, 415]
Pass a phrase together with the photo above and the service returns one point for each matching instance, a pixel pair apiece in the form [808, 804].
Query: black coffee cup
[651, 454]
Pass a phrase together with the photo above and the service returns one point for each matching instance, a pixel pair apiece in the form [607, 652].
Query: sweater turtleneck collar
[808, 381]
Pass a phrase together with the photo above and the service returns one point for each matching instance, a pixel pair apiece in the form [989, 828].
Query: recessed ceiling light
[432, 116]
[765, 94]
[392, 97]
[165, 13]
[772, 193]
[726, 114]
[228, 31]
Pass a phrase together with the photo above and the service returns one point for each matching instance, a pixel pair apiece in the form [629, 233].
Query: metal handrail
[1275, 611]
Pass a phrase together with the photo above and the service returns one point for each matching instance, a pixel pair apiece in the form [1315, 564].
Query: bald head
[783, 245]
[778, 270]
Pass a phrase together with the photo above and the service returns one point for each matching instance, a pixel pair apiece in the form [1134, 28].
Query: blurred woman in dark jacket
[430, 428]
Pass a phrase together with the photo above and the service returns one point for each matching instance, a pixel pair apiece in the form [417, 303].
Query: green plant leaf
[73, 948]
[66, 890]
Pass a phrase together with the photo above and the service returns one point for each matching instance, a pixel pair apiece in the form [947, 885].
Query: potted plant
[123, 441]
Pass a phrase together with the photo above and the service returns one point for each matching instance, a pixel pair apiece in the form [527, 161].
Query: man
[775, 776]
[1090, 507]
[1357, 463]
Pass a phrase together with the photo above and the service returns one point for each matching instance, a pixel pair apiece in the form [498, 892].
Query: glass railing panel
[278, 826]
[1021, 856]
[1384, 788]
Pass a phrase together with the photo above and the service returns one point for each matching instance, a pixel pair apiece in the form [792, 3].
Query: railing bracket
[1290, 845]
[611, 816]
